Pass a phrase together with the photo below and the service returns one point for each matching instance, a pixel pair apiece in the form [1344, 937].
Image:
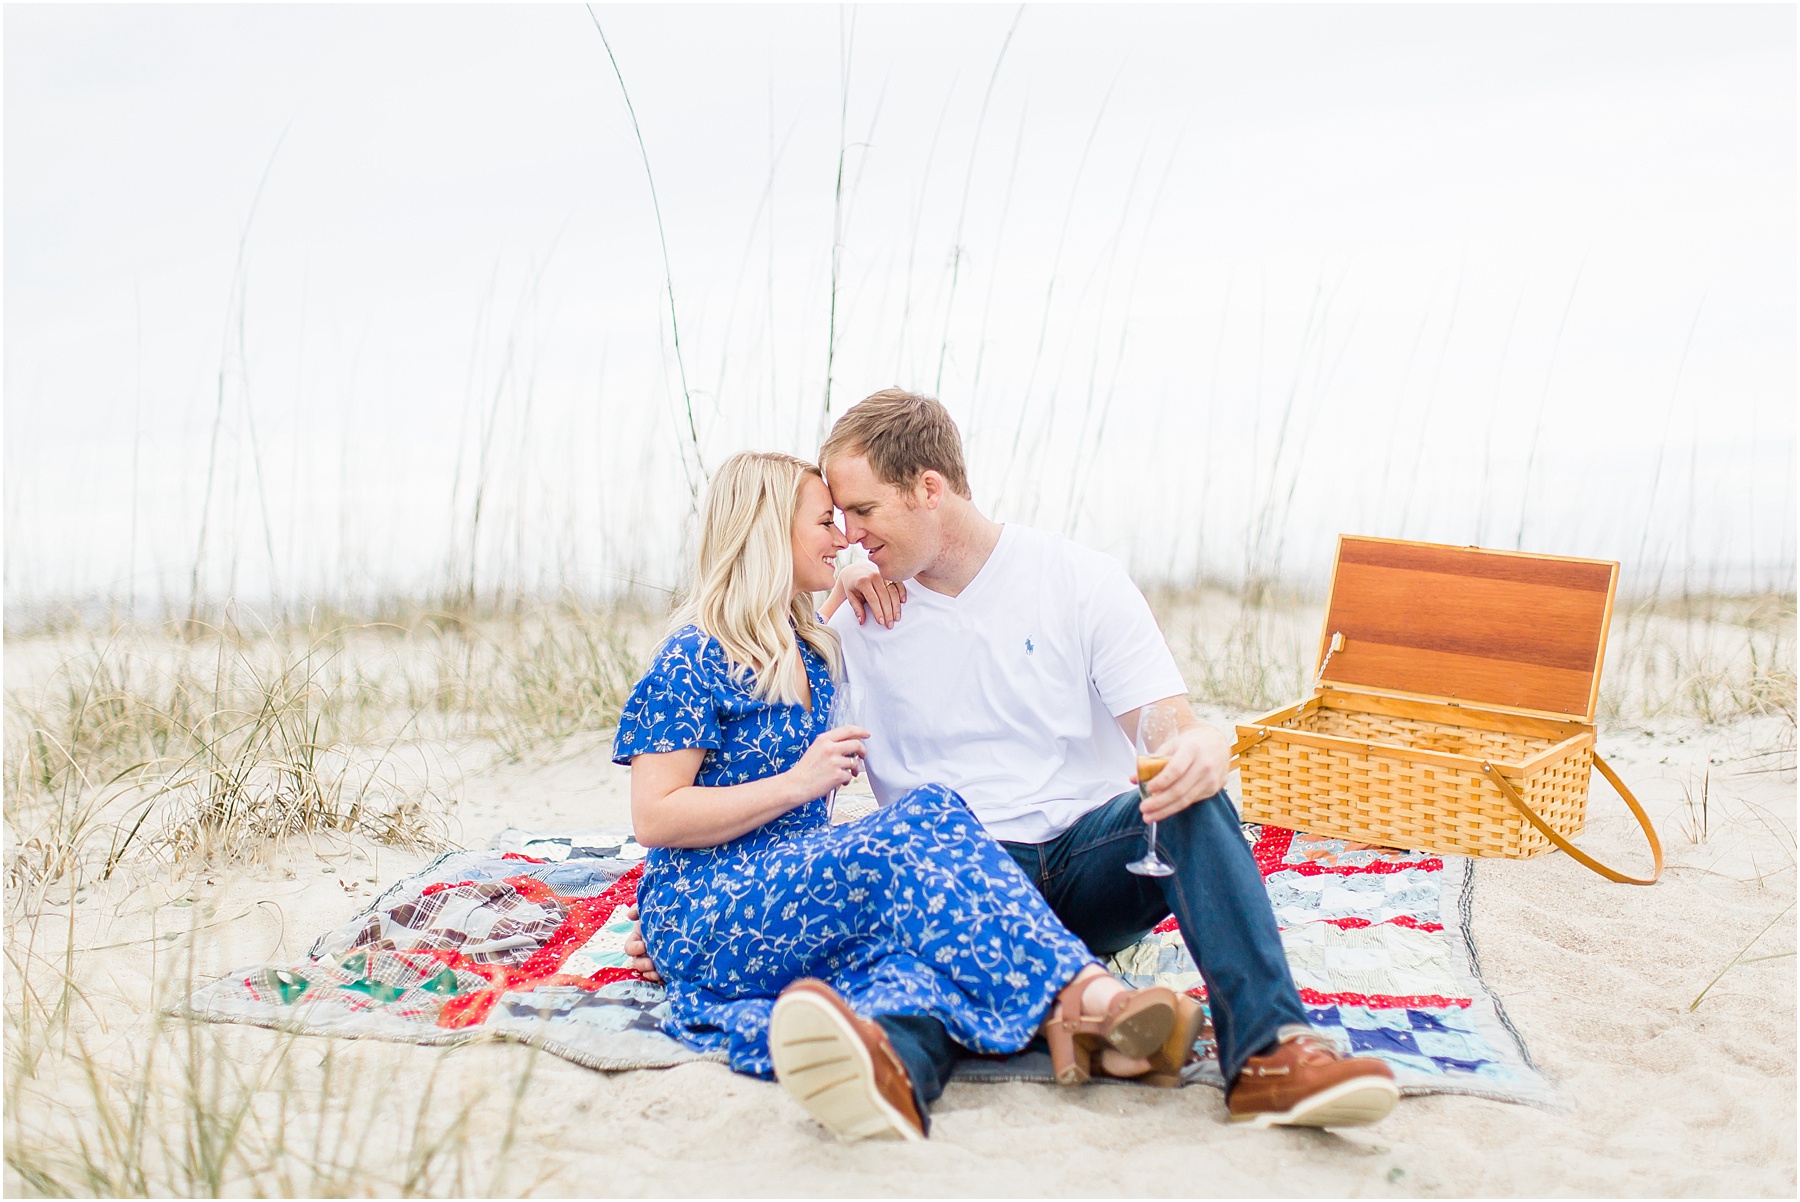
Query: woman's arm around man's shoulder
[860, 584]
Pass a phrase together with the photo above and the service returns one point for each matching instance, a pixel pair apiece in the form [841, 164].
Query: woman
[916, 923]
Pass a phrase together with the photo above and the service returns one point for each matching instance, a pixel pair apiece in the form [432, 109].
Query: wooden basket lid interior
[1489, 628]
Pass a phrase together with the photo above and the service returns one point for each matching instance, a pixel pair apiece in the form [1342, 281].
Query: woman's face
[817, 539]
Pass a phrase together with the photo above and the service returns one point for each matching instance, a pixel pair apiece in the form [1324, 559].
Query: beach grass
[176, 1106]
[179, 751]
[193, 741]
[210, 742]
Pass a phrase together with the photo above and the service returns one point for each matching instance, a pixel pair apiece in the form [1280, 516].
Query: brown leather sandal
[1177, 1052]
[1139, 1021]
[1137, 1024]
[1070, 1054]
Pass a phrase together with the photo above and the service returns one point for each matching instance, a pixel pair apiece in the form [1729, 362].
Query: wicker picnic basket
[1453, 708]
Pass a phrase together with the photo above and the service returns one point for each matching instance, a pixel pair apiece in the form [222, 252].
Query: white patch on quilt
[605, 948]
[1383, 959]
[1354, 901]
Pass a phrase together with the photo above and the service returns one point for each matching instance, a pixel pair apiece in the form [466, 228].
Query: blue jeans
[927, 1051]
[1217, 897]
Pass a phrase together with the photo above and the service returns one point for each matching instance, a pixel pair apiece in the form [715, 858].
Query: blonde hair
[744, 580]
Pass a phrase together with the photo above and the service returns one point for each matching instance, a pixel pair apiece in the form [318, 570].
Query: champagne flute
[1156, 730]
[846, 710]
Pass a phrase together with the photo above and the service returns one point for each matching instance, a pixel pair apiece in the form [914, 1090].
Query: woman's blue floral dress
[912, 910]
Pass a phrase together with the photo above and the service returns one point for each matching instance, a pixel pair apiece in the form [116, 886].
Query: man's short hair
[902, 435]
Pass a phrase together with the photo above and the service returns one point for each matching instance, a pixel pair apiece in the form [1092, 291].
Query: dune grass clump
[191, 745]
[1716, 658]
[1240, 648]
[220, 741]
[528, 675]
[214, 745]
[187, 1108]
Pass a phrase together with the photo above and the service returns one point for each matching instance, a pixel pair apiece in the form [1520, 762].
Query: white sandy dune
[1661, 1098]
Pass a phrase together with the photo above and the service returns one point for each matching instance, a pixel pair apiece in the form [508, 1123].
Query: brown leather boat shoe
[840, 1067]
[1305, 1083]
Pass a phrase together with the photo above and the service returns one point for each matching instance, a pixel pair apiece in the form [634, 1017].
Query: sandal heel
[1075, 1065]
[1071, 1059]
[1138, 1024]
[1140, 1021]
[1167, 1063]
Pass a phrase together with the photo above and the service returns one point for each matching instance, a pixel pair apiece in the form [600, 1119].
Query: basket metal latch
[1337, 645]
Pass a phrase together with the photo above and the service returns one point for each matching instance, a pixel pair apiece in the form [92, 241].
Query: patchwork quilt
[1380, 946]
[525, 941]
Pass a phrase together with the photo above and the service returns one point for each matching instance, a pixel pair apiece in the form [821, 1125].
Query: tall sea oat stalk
[694, 467]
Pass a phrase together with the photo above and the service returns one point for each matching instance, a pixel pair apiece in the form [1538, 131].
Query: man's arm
[1196, 769]
[1129, 660]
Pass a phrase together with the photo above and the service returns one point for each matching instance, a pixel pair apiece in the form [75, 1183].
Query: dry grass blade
[1739, 958]
[697, 471]
[1697, 824]
[175, 1106]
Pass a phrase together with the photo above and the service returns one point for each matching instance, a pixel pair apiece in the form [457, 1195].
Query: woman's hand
[868, 593]
[830, 763]
[636, 952]
[669, 810]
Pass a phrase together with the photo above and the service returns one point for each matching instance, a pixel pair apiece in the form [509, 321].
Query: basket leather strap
[1575, 853]
[1238, 749]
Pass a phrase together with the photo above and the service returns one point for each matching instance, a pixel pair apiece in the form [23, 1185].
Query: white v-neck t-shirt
[1006, 693]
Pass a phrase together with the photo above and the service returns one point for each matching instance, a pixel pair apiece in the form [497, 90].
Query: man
[1016, 678]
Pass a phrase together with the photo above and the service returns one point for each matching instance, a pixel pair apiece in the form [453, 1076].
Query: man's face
[899, 533]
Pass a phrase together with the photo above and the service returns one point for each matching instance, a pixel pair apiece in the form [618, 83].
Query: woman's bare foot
[1100, 989]
[1115, 1063]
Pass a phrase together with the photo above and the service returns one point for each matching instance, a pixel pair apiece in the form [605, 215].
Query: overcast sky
[1205, 286]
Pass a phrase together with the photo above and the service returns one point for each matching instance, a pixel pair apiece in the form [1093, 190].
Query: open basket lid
[1496, 629]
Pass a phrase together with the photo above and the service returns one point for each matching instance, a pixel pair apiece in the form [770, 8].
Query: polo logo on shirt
[1028, 647]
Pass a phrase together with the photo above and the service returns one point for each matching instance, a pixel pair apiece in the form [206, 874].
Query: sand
[1659, 1098]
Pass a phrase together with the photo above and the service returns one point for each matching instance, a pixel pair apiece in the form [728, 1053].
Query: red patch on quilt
[1272, 847]
[1382, 1001]
[582, 917]
[1399, 920]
